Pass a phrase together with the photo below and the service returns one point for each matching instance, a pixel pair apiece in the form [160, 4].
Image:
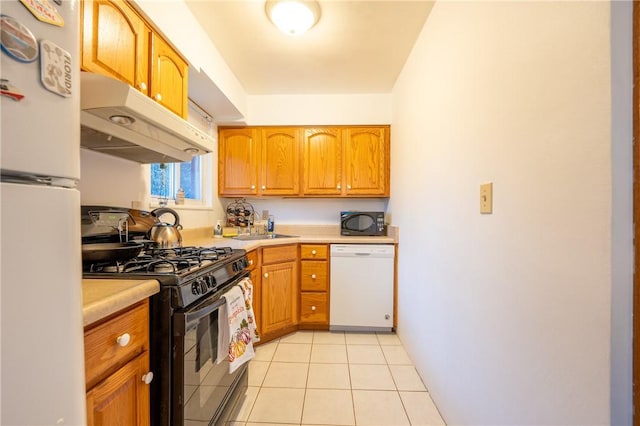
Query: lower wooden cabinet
[279, 288]
[117, 368]
[254, 274]
[314, 286]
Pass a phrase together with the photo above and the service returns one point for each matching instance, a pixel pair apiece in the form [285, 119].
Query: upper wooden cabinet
[238, 162]
[366, 161]
[330, 161]
[117, 42]
[169, 77]
[259, 161]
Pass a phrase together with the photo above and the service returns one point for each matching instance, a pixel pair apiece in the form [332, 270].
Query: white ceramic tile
[265, 351]
[421, 409]
[388, 339]
[241, 410]
[293, 352]
[335, 354]
[407, 378]
[365, 376]
[379, 408]
[365, 354]
[278, 405]
[328, 406]
[298, 337]
[286, 375]
[361, 338]
[328, 376]
[257, 371]
[328, 337]
[396, 355]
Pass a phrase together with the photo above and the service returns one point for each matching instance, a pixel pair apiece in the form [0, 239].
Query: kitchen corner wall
[508, 316]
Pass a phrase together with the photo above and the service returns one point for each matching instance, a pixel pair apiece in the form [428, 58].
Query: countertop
[312, 234]
[103, 297]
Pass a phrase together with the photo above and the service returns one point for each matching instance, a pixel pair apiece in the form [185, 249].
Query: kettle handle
[162, 210]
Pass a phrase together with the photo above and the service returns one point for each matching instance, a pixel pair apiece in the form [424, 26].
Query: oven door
[201, 387]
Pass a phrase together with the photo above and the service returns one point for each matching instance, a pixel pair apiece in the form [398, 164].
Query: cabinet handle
[339, 186]
[253, 187]
[313, 308]
[313, 252]
[158, 97]
[264, 187]
[142, 86]
[147, 378]
[124, 339]
[266, 275]
[313, 276]
[251, 262]
[348, 186]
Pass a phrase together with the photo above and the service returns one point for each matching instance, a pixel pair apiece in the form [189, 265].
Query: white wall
[508, 316]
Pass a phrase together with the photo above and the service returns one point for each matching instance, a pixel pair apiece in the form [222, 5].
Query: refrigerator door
[41, 306]
[40, 134]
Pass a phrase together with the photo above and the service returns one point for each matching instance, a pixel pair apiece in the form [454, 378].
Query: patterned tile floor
[334, 378]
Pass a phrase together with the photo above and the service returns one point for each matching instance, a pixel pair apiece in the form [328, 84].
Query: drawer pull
[313, 252]
[266, 275]
[124, 339]
[313, 308]
[313, 276]
[250, 262]
[147, 378]
[158, 97]
[142, 86]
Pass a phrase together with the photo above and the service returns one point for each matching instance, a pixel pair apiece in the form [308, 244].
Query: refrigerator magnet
[17, 41]
[55, 68]
[44, 11]
[10, 91]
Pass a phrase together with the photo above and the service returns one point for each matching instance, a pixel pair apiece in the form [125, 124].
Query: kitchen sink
[262, 237]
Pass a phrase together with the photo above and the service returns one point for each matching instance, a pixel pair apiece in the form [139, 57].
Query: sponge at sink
[229, 231]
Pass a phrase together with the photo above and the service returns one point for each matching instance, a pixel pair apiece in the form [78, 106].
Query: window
[167, 178]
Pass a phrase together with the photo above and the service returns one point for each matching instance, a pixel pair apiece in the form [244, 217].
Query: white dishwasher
[361, 287]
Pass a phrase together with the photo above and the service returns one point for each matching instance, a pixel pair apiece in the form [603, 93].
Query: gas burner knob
[195, 288]
[203, 285]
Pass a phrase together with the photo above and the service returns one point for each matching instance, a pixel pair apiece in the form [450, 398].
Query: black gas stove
[194, 272]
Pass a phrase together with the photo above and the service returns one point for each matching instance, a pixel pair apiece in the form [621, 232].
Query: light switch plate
[486, 198]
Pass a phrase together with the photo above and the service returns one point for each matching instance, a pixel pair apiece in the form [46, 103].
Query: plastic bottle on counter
[180, 196]
[217, 231]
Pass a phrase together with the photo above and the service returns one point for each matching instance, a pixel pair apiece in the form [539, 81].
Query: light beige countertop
[103, 297]
[318, 234]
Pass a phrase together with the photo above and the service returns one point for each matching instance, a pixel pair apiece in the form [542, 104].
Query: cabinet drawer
[313, 251]
[278, 254]
[103, 353]
[252, 257]
[314, 308]
[313, 275]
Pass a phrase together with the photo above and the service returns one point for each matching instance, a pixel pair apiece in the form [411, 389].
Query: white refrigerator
[41, 358]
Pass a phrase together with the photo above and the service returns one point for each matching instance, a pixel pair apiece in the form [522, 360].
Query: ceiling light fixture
[293, 17]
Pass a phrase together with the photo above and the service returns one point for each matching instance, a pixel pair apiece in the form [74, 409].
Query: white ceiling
[358, 46]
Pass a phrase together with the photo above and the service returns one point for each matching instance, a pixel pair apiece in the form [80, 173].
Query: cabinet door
[169, 77]
[115, 42]
[122, 398]
[279, 296]
[237, 162]
[254, 275]
[280, 169]
[322, 161]
[367, 161]
[314, 308]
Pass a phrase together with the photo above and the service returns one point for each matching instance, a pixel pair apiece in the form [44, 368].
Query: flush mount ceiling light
[293, 17]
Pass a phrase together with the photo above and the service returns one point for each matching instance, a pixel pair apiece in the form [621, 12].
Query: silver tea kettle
[164, 235]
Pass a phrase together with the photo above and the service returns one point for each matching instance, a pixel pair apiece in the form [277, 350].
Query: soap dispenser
[217, 231]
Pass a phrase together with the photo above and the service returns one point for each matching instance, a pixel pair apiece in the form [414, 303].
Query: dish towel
[247, 291]
[234, 336]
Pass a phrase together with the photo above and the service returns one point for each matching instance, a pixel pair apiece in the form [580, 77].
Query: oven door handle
[204, 311]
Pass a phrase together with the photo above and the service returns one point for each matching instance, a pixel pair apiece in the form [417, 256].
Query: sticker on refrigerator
[6, 89]
[55, 68]
[44, 11]
[17, 40]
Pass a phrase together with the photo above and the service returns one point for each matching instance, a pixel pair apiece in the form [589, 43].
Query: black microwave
[362, 223]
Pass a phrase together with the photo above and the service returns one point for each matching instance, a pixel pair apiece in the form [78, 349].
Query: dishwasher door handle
[362, 254]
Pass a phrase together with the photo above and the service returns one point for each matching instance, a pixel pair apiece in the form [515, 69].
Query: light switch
[486, 198]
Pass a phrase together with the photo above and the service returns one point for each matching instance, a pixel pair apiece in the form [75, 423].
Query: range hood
[118, 120]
